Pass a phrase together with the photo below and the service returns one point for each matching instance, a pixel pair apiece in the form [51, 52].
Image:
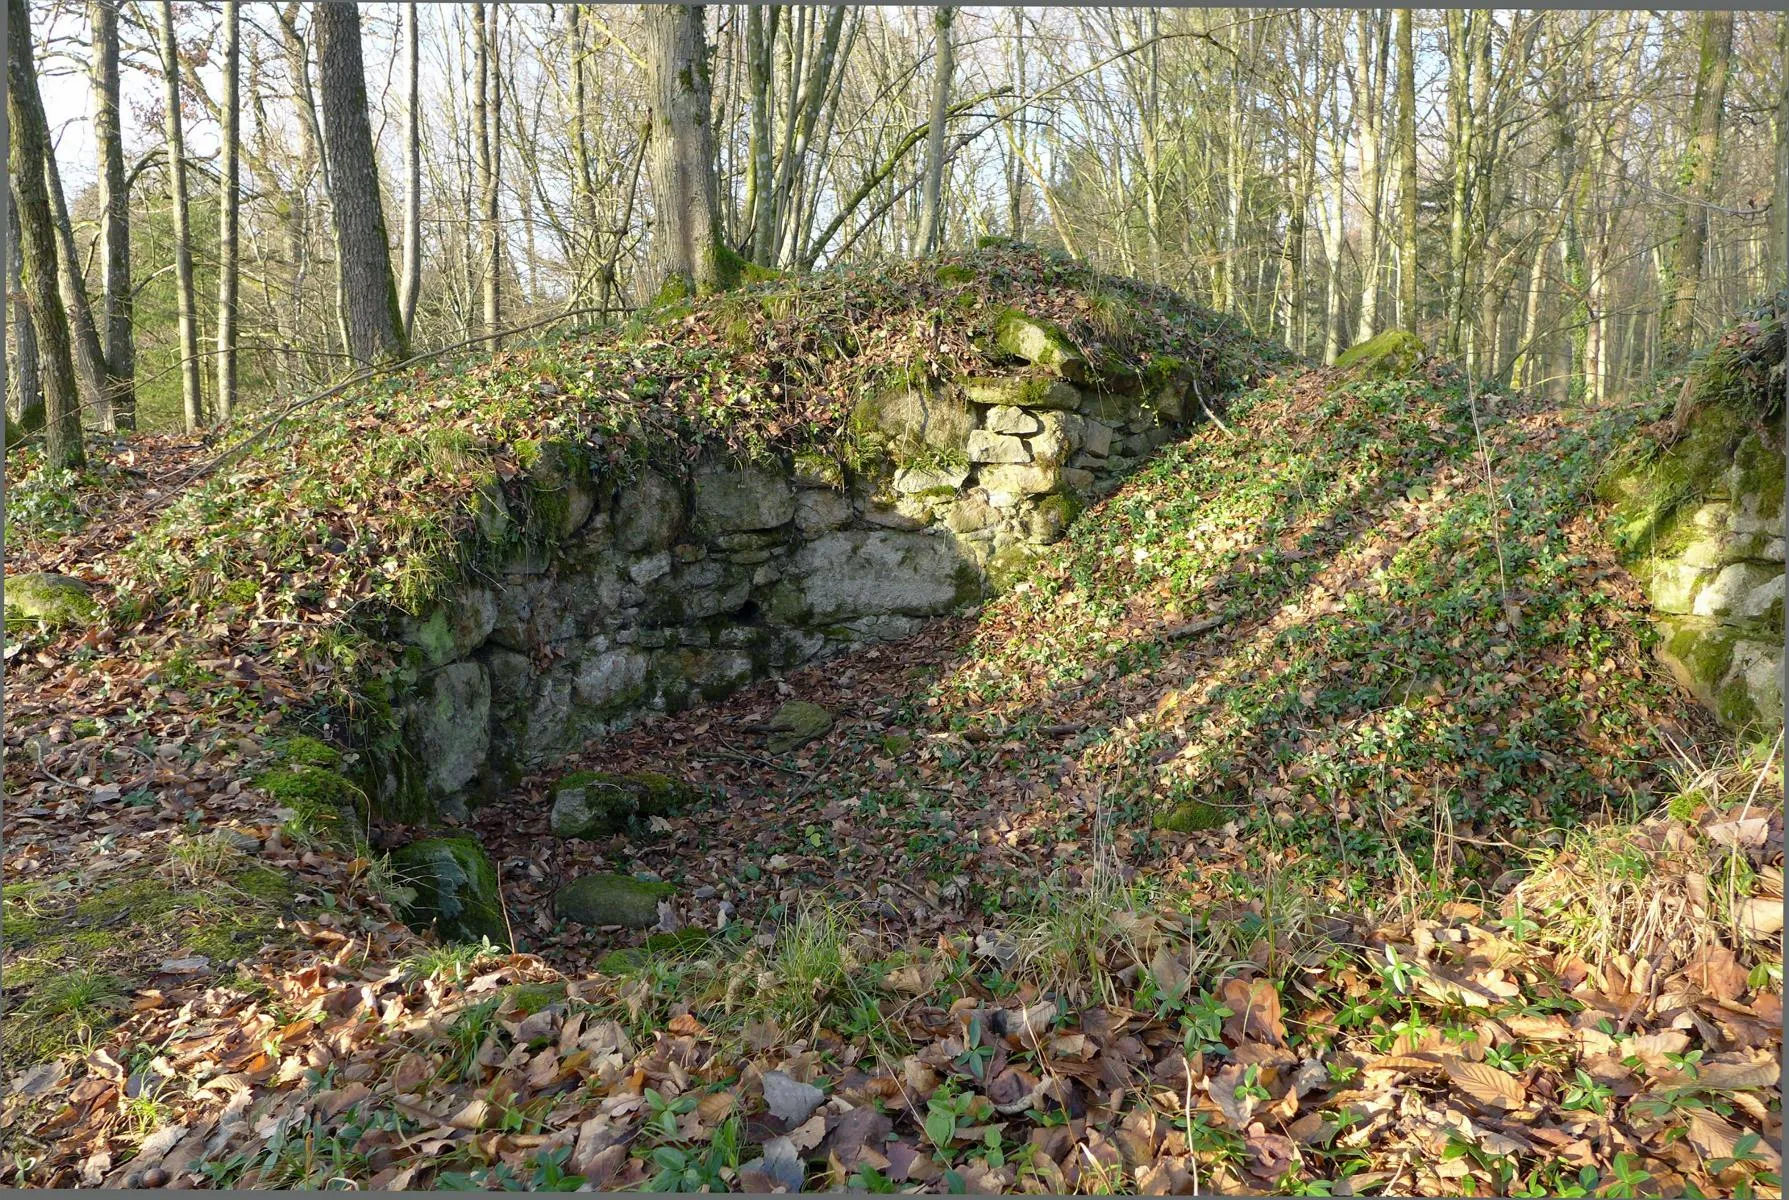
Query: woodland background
[1568, 200]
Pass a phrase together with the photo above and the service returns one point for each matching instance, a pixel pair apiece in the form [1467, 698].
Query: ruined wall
[667, 586]
[1700, 523]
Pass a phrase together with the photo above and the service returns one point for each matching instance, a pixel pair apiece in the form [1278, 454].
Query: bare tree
[114, 203]
[1407, 185]
[1715, 55]
[228, 202]
[370, 314]
[931, 222]
[686, 241]
[24, 400]
[37, 240]
[411, 286]
[183, 241]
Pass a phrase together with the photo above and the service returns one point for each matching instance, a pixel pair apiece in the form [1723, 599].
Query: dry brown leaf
[1254, 1005]
[1486, 1085]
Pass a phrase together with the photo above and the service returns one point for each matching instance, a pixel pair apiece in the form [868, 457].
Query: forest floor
[1316, 821]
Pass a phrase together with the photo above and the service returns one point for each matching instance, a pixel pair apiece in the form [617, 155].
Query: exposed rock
[455, 886]
[611, 900]
[589, 804]
[912, 417]
[610, 677]
[733, 497]
[986, 446]
[1019, 479]
[454, 627]
[855, 573]
[1060, 435]
[1021, 391]
[648, 513]
[796, 724]
[818, 510]
[1390, 355]
[1040, 343]
[818, 471]
[1004, 418]
[53, 600]
[912, 480]
[449, 725]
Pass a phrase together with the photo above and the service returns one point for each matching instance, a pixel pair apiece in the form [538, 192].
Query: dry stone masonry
[1701, 525]
[665, 587]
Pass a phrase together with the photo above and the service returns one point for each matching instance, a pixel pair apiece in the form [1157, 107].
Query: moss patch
[54, 601]
[1389, 355]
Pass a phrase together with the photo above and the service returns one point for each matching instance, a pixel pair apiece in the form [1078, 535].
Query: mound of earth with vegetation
[1310, 816]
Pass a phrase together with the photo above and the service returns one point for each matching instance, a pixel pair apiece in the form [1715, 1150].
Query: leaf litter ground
[1299, 829]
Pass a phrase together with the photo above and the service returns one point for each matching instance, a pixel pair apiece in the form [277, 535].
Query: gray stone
[1107, 407]
[652, 567]
[911, 480]
[971, 513]
[51, 599]
[853, 574]
[913, 417]
[986, 446]
[455, 889]
[1019, 479]
[611, 900]
[795, 724]
[591, 804]
[1021, 391]
[1060, 436]
[610, 677]
[735, 497]
[892, 518]
[1735, 586]
[449, 724]
[648, 513]
[818, 510]
[1005, 418]
[1040, 343]
[818, 471]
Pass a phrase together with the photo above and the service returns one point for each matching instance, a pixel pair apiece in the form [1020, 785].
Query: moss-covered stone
[54, 601]
[1389, 355]
[611, 900]
[952, 274]
[912, 419]
[455, 886]
[590, 804]
[679, 943]
[1041, 343]
[1021, 391]
[796, 723]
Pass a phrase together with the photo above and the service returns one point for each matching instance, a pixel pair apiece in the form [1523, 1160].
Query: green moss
[1393, 354]
[456, 889]
[321, 801]
[1041, 343]
[526, 999]
[305, 751]
[54, 601]
[1191, 816]
[951, 274]
[1651, 488]
[682, 943]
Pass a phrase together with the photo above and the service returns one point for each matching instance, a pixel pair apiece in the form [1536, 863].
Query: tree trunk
[24, 404]
[183, 244]
[488, 120]
[1713, 60]
[1368, 95]
[37, 245]
[114, 202]
[1407, 195]
[760, 49]
[1779, 226]
[228, 202]
[90, 357]
[412, 283]
[1461, 30]
[369, 294]
[931, 221]
[686, 249]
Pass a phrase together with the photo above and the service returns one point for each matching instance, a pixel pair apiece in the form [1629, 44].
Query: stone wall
[657, 588]
[1700, 523]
